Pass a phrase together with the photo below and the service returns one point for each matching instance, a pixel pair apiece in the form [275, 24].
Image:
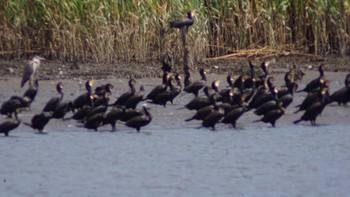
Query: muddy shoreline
[171, 157]
[73, 76]
[172, 117]
[54, 70]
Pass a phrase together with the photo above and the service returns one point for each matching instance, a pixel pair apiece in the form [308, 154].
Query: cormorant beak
[244, 77]
[243, 97]
[145, 106]
[193, 13]
[231, 93]
[217, 83]
[95, 96]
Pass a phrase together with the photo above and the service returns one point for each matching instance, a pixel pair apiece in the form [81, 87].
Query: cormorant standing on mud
[140, 121]
[316, 83]
[214, 117]
[177, 88]
[232, 116]
[39, 121]
[342, 96]
[94, 121]
[167, 62]
[159, 88]
[113, 116]
[9, 125]
[84, 110]
[203, 112]
[197, 85]
[315, 109]
[85, 98]
[54, 102]
[135, 99]
[62, 109]
[32, 91]
[102, 89]
[14, 105]
[273, 115]
[200, 101]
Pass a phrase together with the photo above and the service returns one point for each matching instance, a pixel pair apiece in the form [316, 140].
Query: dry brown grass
[137, 30]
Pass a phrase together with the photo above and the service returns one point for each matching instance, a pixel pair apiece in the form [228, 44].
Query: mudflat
[171, 157]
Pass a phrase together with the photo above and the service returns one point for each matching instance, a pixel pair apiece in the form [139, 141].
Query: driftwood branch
[260, 53]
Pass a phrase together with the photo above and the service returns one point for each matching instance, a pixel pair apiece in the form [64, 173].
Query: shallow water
[286, 161]
[171, 157]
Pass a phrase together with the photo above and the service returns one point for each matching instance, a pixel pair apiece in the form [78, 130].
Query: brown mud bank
[64, 70]
[172, 117]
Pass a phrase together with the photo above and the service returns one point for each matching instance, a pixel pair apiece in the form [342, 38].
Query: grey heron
[30, 69]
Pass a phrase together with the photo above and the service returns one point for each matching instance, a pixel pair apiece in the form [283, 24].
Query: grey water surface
[171, 157]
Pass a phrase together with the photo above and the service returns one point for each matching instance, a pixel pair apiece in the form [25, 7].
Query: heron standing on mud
[30, 69]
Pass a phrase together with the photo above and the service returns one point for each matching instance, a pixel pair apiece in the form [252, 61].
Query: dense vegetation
[126, 30]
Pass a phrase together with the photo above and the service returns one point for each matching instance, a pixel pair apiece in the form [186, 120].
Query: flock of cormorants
[210, 104]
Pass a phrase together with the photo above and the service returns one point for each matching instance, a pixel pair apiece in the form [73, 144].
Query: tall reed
[137, 30]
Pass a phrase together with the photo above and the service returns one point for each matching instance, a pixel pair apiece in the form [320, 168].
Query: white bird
[30, 69]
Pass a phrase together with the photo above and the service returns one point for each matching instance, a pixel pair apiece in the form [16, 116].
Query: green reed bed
[137, 30]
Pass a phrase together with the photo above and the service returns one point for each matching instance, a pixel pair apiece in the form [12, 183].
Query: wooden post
[187, 58]
[183, 25]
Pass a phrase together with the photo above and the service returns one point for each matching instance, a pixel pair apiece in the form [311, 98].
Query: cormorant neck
[206, 92]
[215, 87]
[347, 82]
[204, 77]
[62, 94]
[252, 71]
[229, 81]
[132, 88]
[178, 82]
[187, 80]
[88, 88]
[165, 78]
[146, 112]
[321, 72]
[189, 15]
[91, 103]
